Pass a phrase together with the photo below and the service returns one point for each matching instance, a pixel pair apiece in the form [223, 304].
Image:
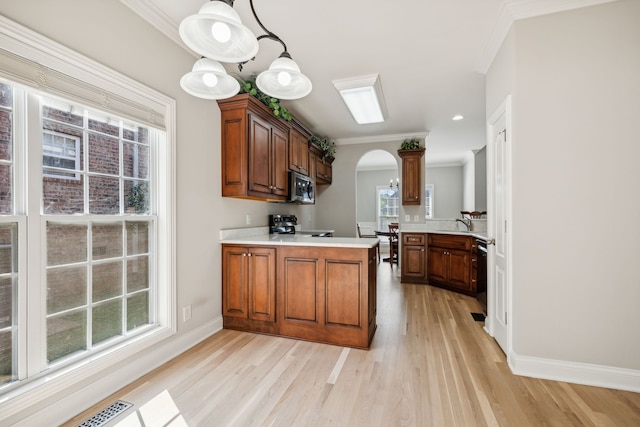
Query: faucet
[466, 222]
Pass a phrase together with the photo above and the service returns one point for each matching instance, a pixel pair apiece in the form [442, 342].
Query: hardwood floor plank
[430, 364]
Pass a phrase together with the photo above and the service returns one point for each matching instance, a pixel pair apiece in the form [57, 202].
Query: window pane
[136, 197]
[137, 310]
[132, 132]
[6, 189]
[135, 160]
[104, 124]
[6, 359]
[63, 114]
[6, 302]
[66, 243]
[6, 95]
[66, 334]
[66, 288]
[104, 154]
[6, 134]
[62, 196]
[7, 260]
[107, 280]
[107, 240]
[107, 321]
[137, 273]
[137, 237]
[104, 195]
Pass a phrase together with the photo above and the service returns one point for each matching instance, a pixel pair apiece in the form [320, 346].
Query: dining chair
[393, 243]
[372, 236]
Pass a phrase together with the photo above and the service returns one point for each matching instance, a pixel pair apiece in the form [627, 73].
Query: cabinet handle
[244, 254]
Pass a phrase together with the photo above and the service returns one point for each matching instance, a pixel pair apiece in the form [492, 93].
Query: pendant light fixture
[209, 80]
[217, 33]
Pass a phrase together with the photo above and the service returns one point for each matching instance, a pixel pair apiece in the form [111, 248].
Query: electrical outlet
[416, 218]
[407, 218]
[248, 219]
[186, 313]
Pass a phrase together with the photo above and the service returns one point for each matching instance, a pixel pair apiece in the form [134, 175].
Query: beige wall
[576, 103]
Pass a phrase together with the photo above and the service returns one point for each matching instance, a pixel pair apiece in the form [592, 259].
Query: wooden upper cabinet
[255, 150]
[412, 166]
[298, 151]
[321, 167]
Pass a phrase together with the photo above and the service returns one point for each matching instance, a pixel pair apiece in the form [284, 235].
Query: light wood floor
[430, 364]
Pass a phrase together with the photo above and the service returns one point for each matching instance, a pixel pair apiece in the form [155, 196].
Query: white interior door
[498, 274]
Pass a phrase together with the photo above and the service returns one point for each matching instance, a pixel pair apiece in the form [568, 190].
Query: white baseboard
[575, 372]
[65, 405]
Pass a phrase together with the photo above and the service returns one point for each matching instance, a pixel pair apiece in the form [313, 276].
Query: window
[87, 268]
[428, 201]
[387, 206]
[97, 225]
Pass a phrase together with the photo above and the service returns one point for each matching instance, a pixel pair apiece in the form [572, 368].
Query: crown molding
[150, 12]
[514, 10]
[398, 137]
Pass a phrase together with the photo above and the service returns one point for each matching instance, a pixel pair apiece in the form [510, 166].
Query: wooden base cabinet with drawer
[413, 257]
[450, 260]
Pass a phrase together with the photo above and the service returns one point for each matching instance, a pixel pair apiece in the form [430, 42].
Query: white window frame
[118, 91]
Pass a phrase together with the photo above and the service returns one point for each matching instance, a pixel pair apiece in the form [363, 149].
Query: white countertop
[477, 234]
[302, 240]
[261, 236]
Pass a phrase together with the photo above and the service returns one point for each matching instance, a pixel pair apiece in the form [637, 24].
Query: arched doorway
[377, 201]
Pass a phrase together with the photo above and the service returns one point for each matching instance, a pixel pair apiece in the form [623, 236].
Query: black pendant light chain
[269, 34]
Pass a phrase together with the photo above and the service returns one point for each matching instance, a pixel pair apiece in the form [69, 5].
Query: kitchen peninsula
[319, 289]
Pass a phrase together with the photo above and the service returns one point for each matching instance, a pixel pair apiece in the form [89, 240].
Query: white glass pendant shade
[217, 33]
[209, 80]
[283, 80]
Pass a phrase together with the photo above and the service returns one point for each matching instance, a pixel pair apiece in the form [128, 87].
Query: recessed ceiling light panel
[457, 117]
[363, 97]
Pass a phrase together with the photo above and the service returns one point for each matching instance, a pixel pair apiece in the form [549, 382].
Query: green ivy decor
[328, 147]
[410, 144]
[249, 86]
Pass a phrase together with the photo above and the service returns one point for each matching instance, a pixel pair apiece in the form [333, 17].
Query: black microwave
[301, 188]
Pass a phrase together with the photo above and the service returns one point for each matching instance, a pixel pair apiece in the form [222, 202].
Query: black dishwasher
[481, 293]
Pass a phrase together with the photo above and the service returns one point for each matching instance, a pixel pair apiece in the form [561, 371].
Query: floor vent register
[107, 414]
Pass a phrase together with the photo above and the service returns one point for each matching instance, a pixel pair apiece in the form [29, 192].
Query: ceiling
[430, 56]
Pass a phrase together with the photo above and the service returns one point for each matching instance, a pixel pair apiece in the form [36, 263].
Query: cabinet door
[298, 152]
[260, 155]
[438, 264]
[413, 261]
[459, 269]
[234, 282]
[411, 180]
[279, 162]
[262, 283]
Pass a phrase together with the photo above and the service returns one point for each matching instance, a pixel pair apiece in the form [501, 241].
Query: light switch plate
[407, 218]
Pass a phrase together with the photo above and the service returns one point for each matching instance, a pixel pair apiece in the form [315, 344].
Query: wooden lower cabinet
[322, 294]
[249, 287]
[449, 262]
[413, 257]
